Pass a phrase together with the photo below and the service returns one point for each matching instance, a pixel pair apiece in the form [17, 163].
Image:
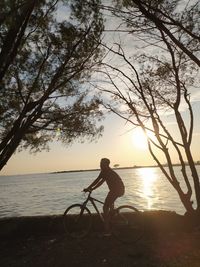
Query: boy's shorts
[112, 196]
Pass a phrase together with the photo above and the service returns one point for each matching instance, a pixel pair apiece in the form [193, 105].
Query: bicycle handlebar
[88, 191]
[91, 198]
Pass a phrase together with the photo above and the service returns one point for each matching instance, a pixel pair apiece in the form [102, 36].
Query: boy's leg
[108, 206]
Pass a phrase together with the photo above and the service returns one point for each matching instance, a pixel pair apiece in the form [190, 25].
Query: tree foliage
[45, 60]
[147, 20]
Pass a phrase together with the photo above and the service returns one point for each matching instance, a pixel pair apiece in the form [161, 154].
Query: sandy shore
[169, 240]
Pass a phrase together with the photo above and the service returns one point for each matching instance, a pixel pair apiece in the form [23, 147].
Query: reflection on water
[148, 180]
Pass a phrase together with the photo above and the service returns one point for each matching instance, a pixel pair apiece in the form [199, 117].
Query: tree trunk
[195, 177]
[160, 25]
[14, 37]
[8, 150]
[186, 201]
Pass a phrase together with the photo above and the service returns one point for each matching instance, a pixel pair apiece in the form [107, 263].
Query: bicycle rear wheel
[77, 221]
[127, 224]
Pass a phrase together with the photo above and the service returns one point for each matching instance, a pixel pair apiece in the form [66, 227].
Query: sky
[117, 144]
[120, 143]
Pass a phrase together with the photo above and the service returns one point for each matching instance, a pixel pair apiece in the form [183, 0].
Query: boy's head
[104, 164]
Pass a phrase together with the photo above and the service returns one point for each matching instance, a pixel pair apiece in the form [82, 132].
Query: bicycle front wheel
[127, 224]
[77, 221]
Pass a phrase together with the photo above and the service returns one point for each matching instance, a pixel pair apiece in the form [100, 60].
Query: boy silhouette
[115, 185]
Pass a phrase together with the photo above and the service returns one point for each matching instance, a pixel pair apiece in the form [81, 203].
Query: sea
[51, 193]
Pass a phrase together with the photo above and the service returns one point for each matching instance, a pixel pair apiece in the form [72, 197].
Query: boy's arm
[97, 182]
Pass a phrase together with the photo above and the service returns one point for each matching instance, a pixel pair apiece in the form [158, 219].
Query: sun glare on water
[149, 177]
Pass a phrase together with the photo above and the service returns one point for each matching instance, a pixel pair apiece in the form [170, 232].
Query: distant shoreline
[118, 168]
[90, 170]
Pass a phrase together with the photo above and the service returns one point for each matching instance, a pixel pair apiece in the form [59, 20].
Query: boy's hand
[87, 189]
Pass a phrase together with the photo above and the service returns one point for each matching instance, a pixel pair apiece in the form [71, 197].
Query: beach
[169, 240]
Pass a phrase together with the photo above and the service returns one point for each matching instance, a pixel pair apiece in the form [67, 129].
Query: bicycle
[126, 222]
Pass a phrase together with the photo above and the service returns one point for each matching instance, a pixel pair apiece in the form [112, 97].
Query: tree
[116, 165]
[149, 19]
[43, 95]
[148, 84]
[14, 19]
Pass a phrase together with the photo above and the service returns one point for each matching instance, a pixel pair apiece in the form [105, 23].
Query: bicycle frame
[126, 223]
[92, 201]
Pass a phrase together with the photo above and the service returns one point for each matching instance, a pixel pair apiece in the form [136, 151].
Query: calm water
[45, 194]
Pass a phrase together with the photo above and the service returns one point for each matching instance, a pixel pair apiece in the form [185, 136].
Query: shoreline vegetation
[170, 240]
[98, 169]
[121, 168]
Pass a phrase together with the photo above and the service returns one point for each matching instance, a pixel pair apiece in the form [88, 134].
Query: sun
[139, 139]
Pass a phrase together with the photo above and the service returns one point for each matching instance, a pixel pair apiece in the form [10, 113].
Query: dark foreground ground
[170, 240]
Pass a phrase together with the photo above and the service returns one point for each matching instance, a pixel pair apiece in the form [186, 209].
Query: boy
[115, 185]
